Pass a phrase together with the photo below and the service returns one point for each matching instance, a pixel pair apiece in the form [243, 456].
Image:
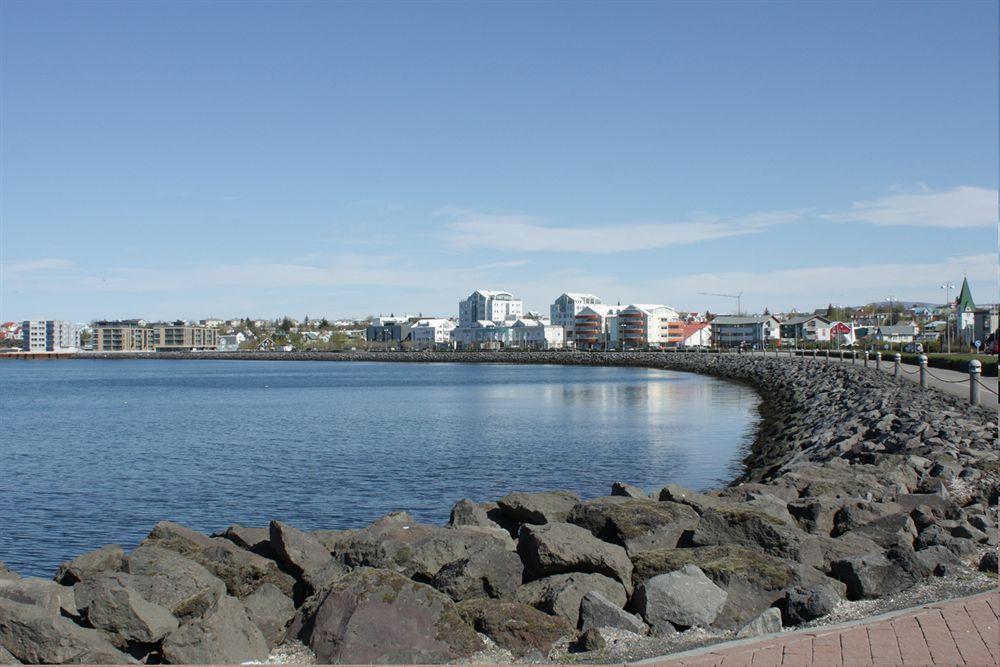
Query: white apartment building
[537, 334]
[564, 310]
[489, 305]
[431, 332]
[649, 324]
[596, 326]
[50, 336]
[737, 330]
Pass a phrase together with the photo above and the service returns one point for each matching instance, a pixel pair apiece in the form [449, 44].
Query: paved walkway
[952, 382]
[960, 632]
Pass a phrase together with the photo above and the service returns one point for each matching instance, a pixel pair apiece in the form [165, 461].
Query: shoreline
[854, 488]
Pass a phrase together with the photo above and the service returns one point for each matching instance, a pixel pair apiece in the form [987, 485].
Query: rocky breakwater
[856, 488]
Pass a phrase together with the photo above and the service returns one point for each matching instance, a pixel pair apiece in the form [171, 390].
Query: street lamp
[947, 287]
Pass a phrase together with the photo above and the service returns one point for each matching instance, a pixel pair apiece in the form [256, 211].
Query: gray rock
[469, 513]
[271, 611]
[109, 603]
[224, 635]
[561, 594]
[109, 558]
[538, 508]
[968, 532]
[936, 560]
[628, 491]
[755, 529]
[241, 570]
[555, 548]
[168, 579]
[35, 636]
[698, 501]
[637, 525]
[41, 592]
[257, 540]
[519, 628]
[596, 611]
[6, 573]
[988, 563]
[873, 576]
[852, 515]
[889, 530]
[377, 616]
[813, 515]
[804, 604]
[768, 622]
[304, 556]
[936, 535]
[685, 598]
[7, 658]
[493, 573]
[588, 641]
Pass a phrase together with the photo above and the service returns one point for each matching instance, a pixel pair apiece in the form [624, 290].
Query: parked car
[915, 348]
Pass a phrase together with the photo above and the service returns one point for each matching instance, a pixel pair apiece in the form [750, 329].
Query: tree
[286, 324]
[324, 324]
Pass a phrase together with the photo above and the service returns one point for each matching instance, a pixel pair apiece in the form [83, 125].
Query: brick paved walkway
[961, 632]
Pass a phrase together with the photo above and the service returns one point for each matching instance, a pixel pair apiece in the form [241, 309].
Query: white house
[431, 332]
[564, 310]
[230, 342]
[538, 334]
[806, 328]
[596, 326]
[733, 331]
[489, 305]
[696, 334]
[482, 334]
[899, 333]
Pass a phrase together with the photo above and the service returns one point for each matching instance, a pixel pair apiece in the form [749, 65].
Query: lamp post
[947, 287]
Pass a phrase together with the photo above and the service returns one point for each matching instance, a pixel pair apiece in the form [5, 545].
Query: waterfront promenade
[957, 632]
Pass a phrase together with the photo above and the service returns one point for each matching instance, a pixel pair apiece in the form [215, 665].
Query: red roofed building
[697, 334]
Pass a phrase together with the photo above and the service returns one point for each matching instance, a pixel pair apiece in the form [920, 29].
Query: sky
[193, 160]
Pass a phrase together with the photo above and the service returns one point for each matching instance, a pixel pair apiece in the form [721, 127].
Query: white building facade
[537, 334]
[50, 336]
[596, 327]
[431, 333]
[648, 324]
[489, 305]
[564, 310]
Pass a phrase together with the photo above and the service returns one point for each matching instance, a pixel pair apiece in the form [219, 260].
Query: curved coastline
[855, 488]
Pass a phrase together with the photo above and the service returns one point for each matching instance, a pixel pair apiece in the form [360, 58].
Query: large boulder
[304, 556]
[699, 501]
[637, 525]
[802, 604]
[109, 558]
[753, 581]
[166, 578]
[493, 573]
[34, 635]
[257, 540]
[889, 530]
[561, 594]
[857, 513]
[241, 570]
[271, 611]
[519, 628]
[628, 490]
[767, 622]
[376, 616]
[814, 515]
[555, 548]
[877, 575]
[224, 635]
[6, 573]
[540, 507]
[596, 611]
[41, 592]
[683, 598]
[414, 550]
[110, 603]
[8, 658]
[755, 529]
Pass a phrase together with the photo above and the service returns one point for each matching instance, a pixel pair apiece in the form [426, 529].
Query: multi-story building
[649, 325]
[482, 335]
[806, 328]
[430, 333]
[739, 330]
[387, 329]
[489, 305]
[50, 336]
[564, 310]
[140, 336]
[537, 334]
[596, 327]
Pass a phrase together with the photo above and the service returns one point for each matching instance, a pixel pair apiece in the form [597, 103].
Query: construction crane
[739, 310]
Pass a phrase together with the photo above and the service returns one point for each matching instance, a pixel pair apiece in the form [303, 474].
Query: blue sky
[191, 159]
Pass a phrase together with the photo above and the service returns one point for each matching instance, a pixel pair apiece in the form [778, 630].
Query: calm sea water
[93, 452]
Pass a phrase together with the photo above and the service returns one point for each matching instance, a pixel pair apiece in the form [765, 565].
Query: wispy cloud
[520, 233]
[962, 206]
[29, 266]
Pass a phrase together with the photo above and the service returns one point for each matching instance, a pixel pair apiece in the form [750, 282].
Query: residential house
[696, 334]
[537, 334]
[482, 335]
[897, 333]
[489, 305]
[806, 329]
[430, 333]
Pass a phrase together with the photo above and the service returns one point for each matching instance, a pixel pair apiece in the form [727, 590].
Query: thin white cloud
[518, 233]
[962, 206]
[29, 266]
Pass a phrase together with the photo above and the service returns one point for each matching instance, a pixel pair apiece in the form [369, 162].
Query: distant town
[496, 319]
